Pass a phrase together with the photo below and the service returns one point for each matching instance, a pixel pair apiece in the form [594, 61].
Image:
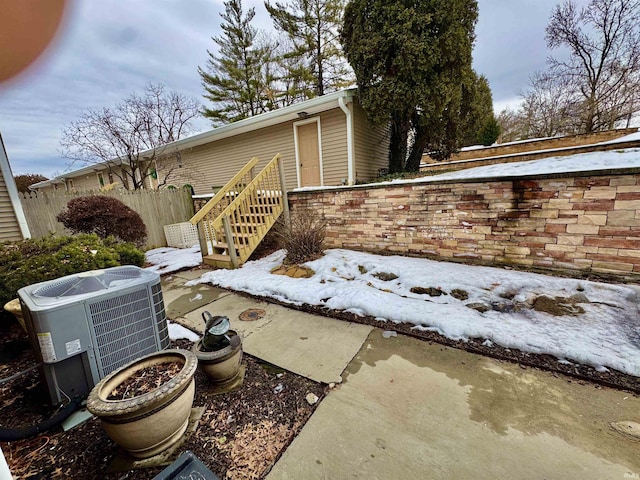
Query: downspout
[350, 160]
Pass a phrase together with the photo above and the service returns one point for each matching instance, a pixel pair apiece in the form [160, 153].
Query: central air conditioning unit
[85, 326]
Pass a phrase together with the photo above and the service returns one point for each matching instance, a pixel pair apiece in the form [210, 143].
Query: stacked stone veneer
[583, 224]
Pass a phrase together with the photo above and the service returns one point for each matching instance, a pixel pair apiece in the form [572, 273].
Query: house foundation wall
[583, 224]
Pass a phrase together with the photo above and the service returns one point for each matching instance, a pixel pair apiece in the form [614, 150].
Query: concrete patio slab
[315, 347]
[410, 409]
[191, 274]
[180, 299]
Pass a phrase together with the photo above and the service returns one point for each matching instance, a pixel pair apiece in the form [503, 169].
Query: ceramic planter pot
[147, 424]
[15, 309]
[221, 366]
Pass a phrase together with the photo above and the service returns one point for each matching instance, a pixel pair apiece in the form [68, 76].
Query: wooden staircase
[233, 223]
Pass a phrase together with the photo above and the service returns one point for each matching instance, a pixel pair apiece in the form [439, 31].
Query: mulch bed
[240, 435]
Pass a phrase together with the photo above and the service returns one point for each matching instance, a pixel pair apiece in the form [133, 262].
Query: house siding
[212, 165]
[371, 146]
[9, 227]
[85, 182]
[334, 147]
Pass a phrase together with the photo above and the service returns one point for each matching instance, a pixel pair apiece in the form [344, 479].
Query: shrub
[302, 236]
[129, 254]
[32, 261]
[104, 216]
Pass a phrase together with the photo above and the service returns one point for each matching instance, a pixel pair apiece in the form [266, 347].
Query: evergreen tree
[489, 132]
[237, 81]
[476, 109]
[411, 59]
[316, 60]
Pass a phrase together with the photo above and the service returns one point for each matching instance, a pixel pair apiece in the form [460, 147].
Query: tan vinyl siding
[333, 124]
[212, 165]
[9, 227]
[371, 145]
[87, 181]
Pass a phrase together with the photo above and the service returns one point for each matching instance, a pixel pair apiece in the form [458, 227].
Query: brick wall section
[581, 224]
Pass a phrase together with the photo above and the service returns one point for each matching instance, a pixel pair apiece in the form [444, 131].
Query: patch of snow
[611, 159]
[168, 259]
[627, 138]
[591, 161]
[607, 334]
[177, 331]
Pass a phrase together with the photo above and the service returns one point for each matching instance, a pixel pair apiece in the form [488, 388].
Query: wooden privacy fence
[156, 207]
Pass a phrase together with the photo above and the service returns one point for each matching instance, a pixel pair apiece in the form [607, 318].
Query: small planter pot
[221, 366]
[147, 424]
[14, 308]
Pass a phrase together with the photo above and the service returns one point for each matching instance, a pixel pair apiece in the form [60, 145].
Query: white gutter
[13, 191]
[350, 160]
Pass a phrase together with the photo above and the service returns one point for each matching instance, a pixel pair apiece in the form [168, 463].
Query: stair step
[218, 260]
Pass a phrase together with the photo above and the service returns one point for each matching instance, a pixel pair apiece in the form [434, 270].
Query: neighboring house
[323, 141]
[92, 177]
[13, 224]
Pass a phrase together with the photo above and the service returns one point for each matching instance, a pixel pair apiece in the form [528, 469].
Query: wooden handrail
[223, 192]
[248, 190]
[240, 215]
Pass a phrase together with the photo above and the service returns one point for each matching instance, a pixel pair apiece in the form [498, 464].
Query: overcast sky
[106, 50]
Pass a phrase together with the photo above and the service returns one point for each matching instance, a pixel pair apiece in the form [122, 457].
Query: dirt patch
[431, 291]
[240, 435]
[557, 306]
[385, 277]
[293, 271]
[459, 294]
[145, 380]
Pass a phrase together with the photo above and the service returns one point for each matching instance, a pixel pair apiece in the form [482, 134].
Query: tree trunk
[398, 142]
[419, 143]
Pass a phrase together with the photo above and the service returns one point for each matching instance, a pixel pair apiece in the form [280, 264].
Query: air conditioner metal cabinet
[84, 326]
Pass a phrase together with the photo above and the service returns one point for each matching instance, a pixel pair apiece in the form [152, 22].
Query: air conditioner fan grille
[124, 329]
[95, 281]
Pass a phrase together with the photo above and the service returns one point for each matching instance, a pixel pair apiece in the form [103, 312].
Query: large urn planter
[222, 365]
[151, 422]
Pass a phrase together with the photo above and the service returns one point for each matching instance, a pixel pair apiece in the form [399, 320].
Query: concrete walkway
[410, 409]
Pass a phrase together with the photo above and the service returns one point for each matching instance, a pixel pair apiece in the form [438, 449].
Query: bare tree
[127, 139]
[549, 107]
[603, 39]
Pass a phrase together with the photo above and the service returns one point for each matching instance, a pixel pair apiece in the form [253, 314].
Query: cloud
[109, 49]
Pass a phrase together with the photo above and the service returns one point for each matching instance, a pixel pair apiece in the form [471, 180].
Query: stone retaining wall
[580, 224]
[539, 144]
[453, 165]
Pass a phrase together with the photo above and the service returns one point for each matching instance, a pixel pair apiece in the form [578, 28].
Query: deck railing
[234, 222]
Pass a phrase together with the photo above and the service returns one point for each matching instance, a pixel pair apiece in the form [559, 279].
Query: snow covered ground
[611, 159]
[167, 259]
[607, 334]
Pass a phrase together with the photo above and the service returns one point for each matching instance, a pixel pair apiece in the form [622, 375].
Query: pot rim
[98, 404]
[228, 350]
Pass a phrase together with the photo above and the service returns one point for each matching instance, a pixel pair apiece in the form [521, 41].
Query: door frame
[296, 145]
